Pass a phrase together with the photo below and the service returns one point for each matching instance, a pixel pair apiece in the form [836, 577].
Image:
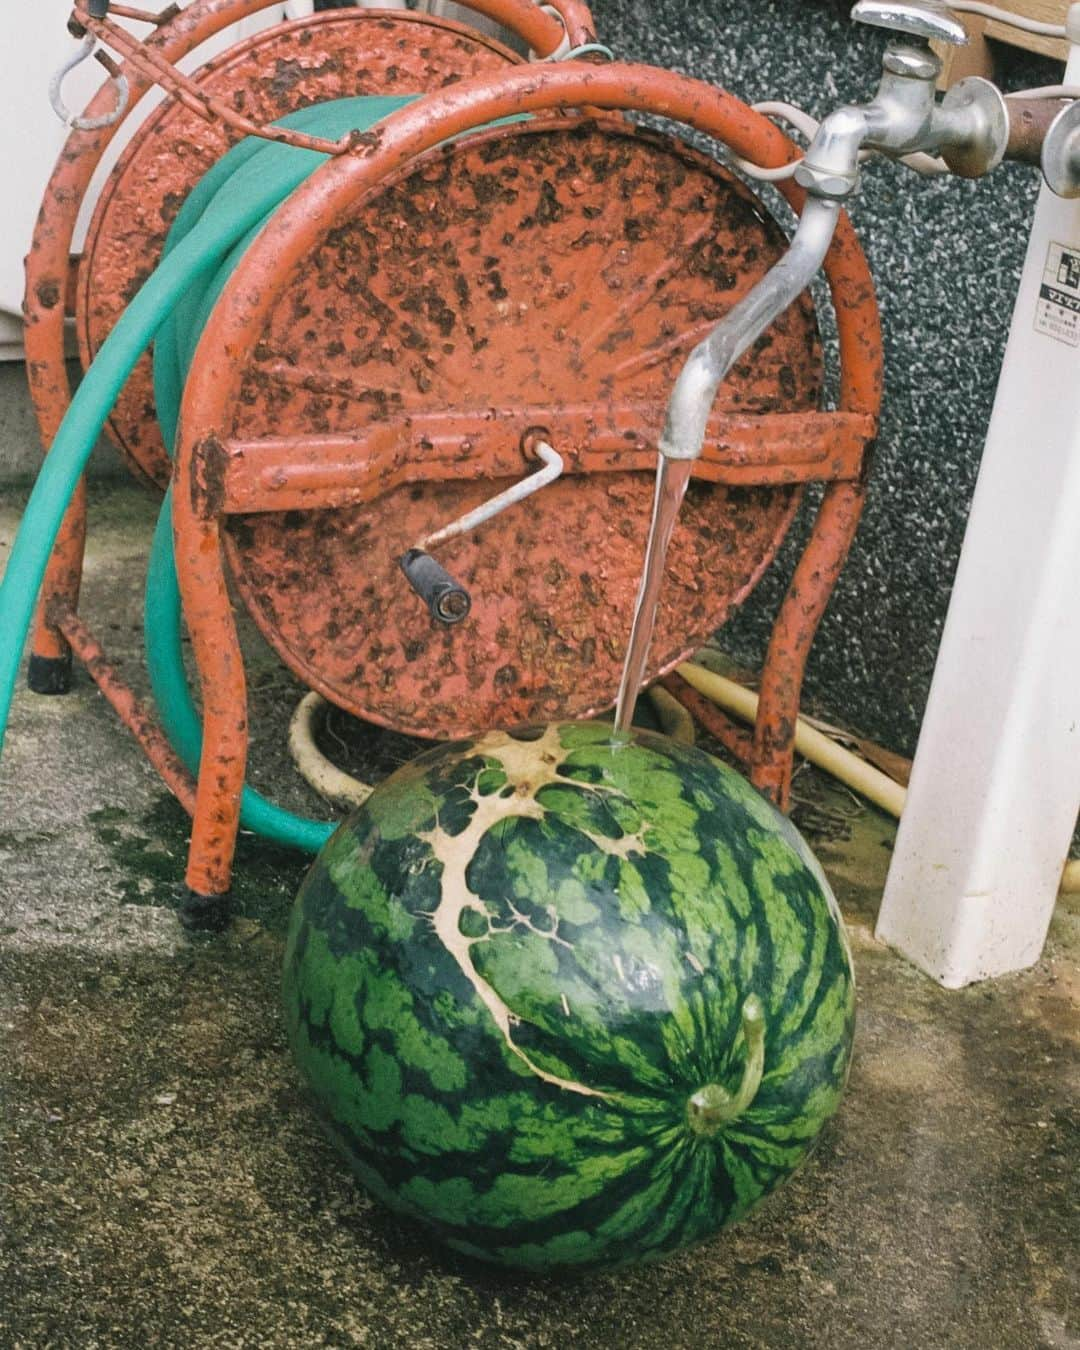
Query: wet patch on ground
[149, 851]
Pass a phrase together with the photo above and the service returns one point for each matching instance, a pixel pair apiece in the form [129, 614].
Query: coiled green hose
[230, 204]
[174, 348]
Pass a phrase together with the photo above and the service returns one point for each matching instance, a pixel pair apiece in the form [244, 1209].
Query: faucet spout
[969, 129]
[711, 360]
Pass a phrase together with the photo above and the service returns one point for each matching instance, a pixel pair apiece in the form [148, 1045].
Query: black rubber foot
[205, 913]
[49, 674]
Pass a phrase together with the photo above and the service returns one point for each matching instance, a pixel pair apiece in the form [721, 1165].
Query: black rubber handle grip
[448, 602]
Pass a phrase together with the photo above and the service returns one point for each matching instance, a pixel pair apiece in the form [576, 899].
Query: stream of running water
[672, 477]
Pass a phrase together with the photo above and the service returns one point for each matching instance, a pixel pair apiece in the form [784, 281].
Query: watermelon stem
[713, 1106]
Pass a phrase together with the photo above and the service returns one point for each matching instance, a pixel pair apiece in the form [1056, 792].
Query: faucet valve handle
[1061, 152]
[917, 18]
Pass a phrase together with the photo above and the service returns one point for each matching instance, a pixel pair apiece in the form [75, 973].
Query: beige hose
[819, 749]
[340, 788]
[812, 745]
[675, 720]
[330, 782]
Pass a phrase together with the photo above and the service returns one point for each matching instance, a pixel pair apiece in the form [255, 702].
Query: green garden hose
[234, 199]
[174, 348]
[176, 708]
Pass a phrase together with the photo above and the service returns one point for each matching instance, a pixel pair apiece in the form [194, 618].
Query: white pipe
[1048, 91]
[1007, 16]
[811, 744]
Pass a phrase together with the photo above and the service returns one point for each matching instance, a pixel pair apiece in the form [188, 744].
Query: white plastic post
[995, 788]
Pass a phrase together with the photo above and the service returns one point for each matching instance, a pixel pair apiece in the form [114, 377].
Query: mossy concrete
[165, 1184]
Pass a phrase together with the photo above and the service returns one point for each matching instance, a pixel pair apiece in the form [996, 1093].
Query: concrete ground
[164, 1183]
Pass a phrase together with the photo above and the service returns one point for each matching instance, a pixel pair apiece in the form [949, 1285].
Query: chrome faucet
[968, 129]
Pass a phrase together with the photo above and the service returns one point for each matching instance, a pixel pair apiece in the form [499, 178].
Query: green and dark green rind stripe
[624, 974]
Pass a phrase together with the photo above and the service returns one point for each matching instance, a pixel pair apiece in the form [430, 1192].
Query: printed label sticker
[1057, 313]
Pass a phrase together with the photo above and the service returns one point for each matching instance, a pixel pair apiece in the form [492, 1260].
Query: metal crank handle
[448, 601]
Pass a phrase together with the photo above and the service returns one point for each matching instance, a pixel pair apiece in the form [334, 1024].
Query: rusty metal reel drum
[331, 55]
[553, 275]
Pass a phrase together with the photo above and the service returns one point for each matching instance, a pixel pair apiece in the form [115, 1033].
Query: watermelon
[568, 997]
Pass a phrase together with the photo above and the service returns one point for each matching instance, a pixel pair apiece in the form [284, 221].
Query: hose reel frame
[549, 274]
[214, 389]
[198, 529]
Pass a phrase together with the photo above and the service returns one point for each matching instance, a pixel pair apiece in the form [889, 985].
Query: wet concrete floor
[164, 1184]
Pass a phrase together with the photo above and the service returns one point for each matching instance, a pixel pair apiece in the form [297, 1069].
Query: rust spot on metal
[48, 293]
[366, 141]
[208, 480]
[1029, 121]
